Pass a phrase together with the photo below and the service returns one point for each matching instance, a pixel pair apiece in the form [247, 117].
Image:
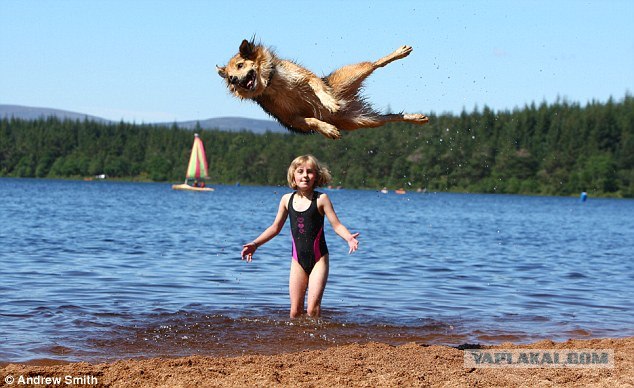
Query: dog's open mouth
[249, 82]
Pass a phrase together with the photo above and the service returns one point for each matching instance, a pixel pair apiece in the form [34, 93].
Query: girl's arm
[269, 233]
[324, 203]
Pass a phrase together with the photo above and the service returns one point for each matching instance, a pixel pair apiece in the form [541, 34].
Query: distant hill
[230, 124]
[233, 124]
[33, 113]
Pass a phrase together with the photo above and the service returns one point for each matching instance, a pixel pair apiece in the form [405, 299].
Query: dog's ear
[247, 49]
[222, 71]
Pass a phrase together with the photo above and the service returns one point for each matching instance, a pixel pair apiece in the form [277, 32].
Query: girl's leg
[297, 284]
[317, 285]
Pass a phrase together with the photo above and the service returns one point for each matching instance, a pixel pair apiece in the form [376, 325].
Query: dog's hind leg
[311, 124]
[347, 80]
[400, 53]
[405, 117]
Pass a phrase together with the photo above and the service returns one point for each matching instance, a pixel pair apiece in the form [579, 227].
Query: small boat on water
[400, 191]
[197, 169]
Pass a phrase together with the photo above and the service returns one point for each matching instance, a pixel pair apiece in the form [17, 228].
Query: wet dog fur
[303, 102]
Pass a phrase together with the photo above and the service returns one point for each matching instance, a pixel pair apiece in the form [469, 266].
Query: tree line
[560, 148]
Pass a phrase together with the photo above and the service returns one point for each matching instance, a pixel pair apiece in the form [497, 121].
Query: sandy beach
[369, 364]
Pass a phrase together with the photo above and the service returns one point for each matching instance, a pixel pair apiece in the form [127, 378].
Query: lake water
[96, 271]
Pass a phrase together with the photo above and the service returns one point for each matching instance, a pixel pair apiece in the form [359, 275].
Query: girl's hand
[353, 243]
[248, 250]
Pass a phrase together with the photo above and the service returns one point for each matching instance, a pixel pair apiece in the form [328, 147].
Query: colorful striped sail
[197, 167]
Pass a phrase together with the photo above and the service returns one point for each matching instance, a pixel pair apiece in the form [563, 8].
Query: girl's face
[305, 176]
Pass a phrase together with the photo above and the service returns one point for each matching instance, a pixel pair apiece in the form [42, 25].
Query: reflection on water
[101, 270]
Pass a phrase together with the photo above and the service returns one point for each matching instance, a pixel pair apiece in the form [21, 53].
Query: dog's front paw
[316, 125]
[330, 131]
[334, 107]
[329, 103]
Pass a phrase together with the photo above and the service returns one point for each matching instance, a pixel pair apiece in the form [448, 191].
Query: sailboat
[196, 169]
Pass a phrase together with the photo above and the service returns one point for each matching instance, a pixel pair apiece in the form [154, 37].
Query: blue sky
[150, 61]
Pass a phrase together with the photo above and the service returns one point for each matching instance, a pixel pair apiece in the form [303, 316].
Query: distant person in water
[307, 208]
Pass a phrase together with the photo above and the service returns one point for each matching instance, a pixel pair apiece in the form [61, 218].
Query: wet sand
[370, 364]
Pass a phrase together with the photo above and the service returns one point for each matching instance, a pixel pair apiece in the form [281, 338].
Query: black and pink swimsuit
[307, 230]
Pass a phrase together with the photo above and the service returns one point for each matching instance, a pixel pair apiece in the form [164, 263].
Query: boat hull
[185, 187]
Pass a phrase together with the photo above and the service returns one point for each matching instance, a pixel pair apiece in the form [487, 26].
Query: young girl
[307, 207]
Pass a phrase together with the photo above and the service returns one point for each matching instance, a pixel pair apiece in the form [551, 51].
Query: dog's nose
[233, 80]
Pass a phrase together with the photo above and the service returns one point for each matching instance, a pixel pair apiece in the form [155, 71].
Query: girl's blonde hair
[323, 174]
